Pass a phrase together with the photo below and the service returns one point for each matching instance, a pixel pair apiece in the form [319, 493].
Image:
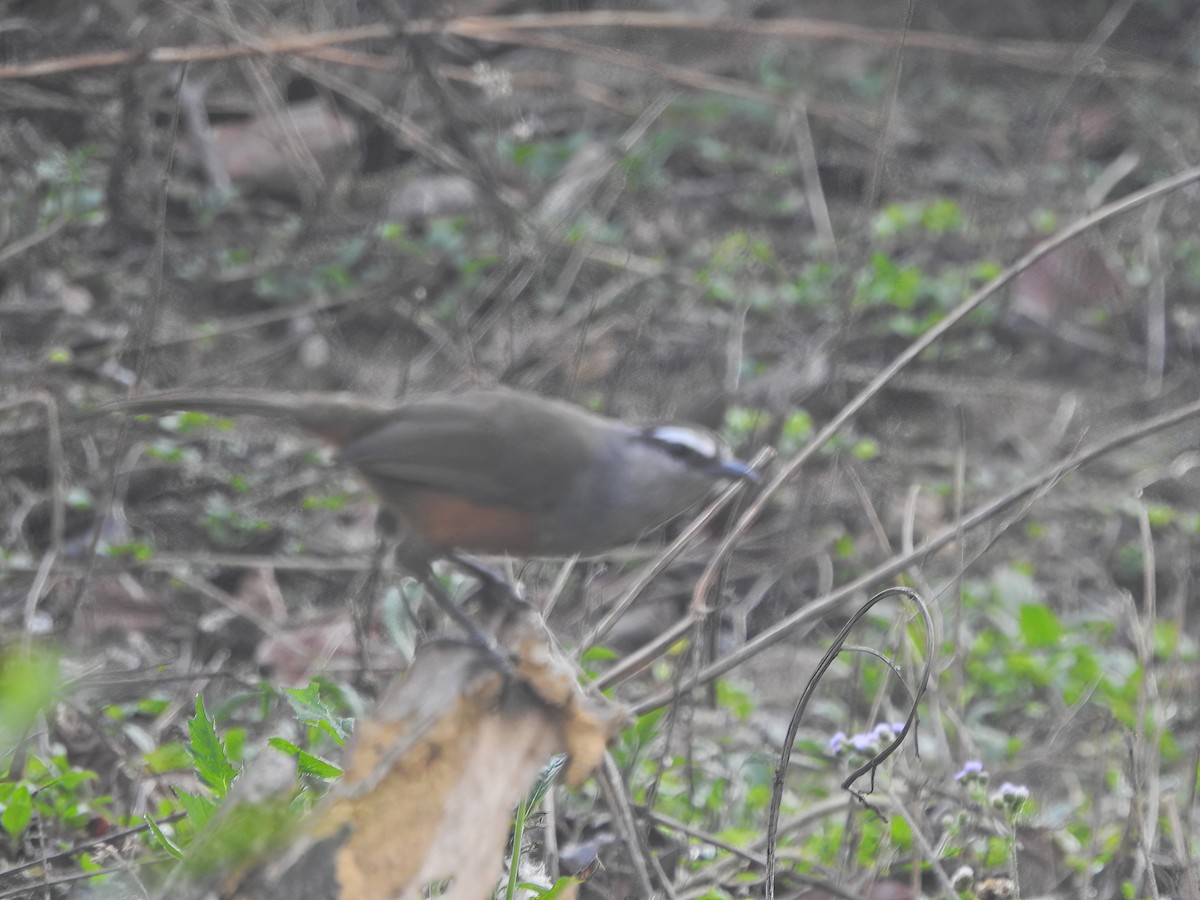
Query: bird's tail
[335, 417]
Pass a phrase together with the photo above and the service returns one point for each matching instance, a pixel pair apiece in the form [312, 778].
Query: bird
[495, 471]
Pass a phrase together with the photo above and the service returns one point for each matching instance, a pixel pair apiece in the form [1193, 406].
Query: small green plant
[737, 270]
[742, 424]
[934, 217]
[983, 831]
[166, 451]
[58, 793]
[915, 299]
[139, 550]
[333, 501]
[47, 793]
[797, 431]
[886, 283]
[525, 810]
[29, 681]
[184, 423]
[226, 524]
[72, 189]
[312, 709]
[245, 830]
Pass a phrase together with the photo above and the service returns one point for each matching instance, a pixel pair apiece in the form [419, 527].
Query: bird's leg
[416, 561]
[491, 581]
[475, 634]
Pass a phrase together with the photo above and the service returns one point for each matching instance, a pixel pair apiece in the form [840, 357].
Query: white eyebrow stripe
[700, 442]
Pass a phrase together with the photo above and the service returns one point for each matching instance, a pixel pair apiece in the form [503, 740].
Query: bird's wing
[494, 448]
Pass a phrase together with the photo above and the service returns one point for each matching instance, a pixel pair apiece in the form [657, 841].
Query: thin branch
[819, 607]
[791, 469]
[1041, 56]
[810, 688]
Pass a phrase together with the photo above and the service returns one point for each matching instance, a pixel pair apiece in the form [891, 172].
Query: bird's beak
[735, 468]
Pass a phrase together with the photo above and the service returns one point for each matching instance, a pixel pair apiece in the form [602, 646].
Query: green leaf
[212, 763]
[558, 889]
[28, 682]
[166, 842]
[601, 654]
[199, 809]
[152, 706]
[172, 757]
[545, 781]
[901, 833]
[135, 549]
[942, 215]
[187, 422]
[1045, 220]
[18, 811]
[1160, 516]
[391, 231]
[283, 746]
[310, 707]
[646, 726]
[326, 501]
[796, 432]
[307, 763]
[244, 831]
[317, 767]
[998, 853]
[741, 422]
[734, 699]
[865, 450]
[165, 451]
[1040, 627]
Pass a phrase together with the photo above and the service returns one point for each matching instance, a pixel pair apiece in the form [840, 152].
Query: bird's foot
[473, 634]
[492, 583]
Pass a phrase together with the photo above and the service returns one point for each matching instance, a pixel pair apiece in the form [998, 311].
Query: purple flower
[972, 771]
[886, 732]
[1010, 796]
[863, 743]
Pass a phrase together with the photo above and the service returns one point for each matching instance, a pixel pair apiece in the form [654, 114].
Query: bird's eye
[680, 451]
[685, 443]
